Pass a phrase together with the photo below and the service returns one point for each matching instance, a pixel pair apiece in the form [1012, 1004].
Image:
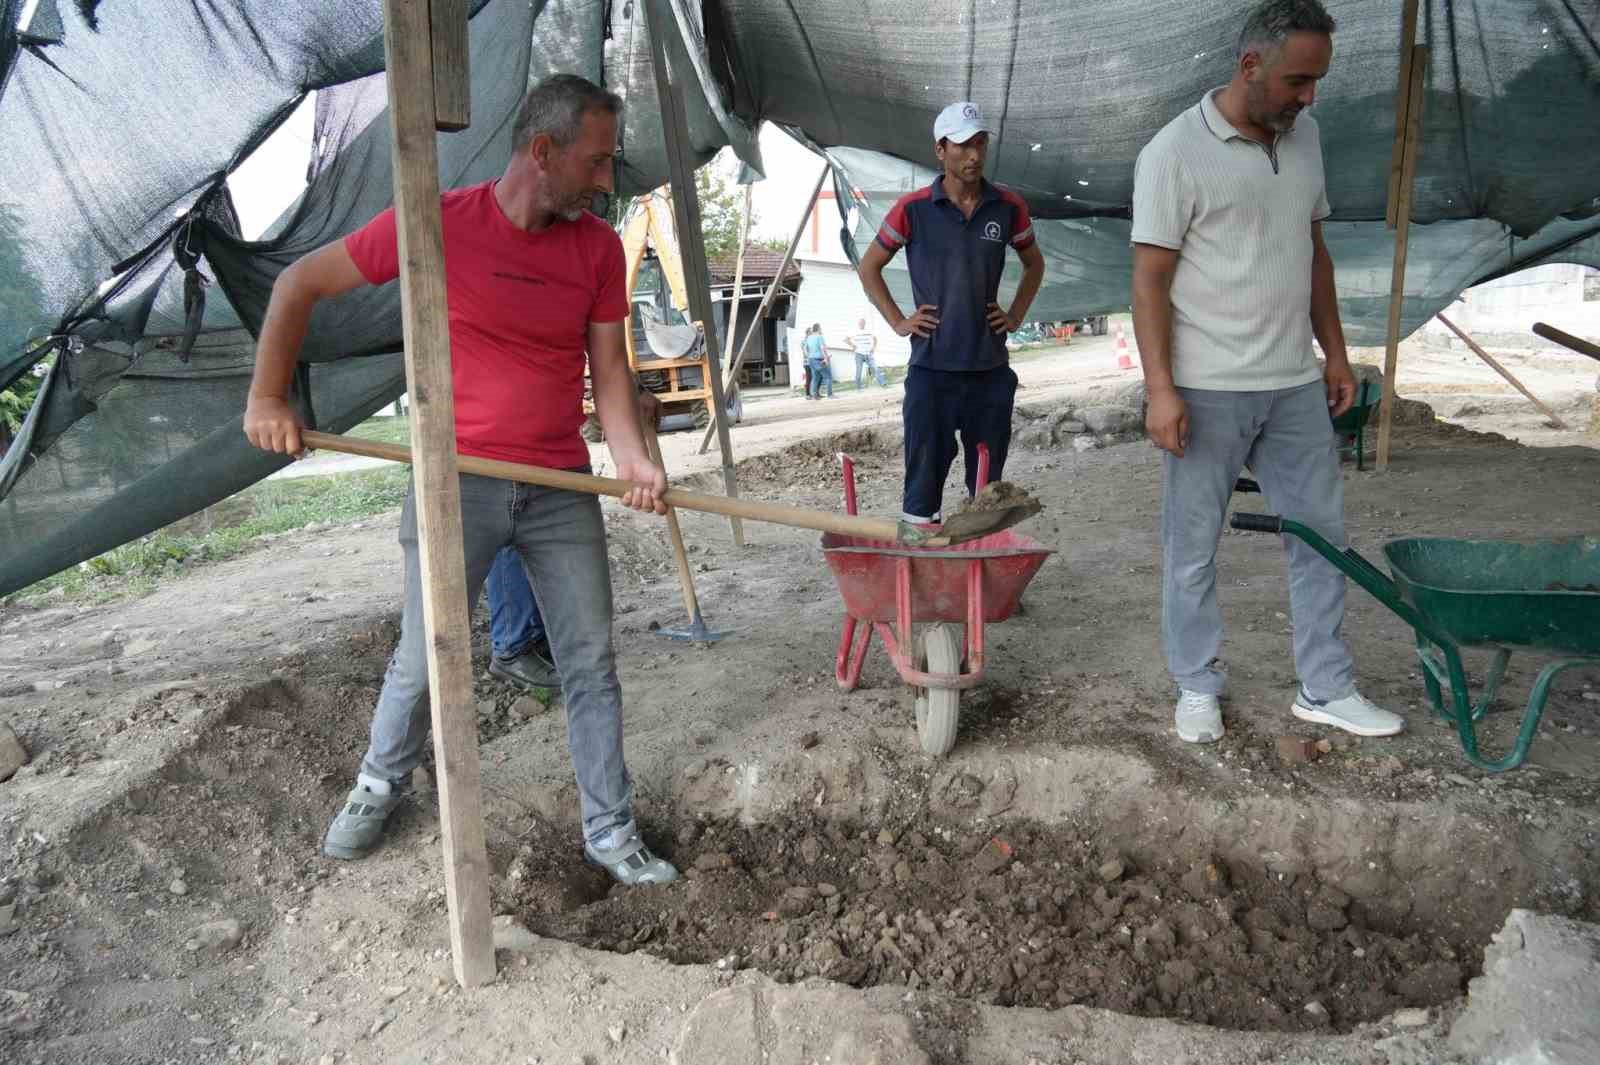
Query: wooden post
[738, 279]
[1416, 71]
[1501, 370]
[771, 294]
[452, 89]
[1402, 108]
[691, 240]
[411, 48]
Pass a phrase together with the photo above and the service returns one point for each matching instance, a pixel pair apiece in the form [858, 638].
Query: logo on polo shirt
[991, 231]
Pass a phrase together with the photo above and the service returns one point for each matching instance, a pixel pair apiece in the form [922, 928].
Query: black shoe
[530, 669]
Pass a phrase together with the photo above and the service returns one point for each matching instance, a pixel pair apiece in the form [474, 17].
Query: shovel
[696, 631]
[958, 529]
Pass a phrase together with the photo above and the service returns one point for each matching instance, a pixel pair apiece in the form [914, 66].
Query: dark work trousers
[940, 406]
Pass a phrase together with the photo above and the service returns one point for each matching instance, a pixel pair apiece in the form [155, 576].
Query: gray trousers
[562, 541]
[1287, 440]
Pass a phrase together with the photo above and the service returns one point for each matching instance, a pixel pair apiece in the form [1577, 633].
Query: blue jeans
[561, 540]
[866, 361]
[821, 375]
[514, 621]
[1287, 440]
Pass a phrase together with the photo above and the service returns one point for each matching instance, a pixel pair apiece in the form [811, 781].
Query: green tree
[721, 211]
[16, 401]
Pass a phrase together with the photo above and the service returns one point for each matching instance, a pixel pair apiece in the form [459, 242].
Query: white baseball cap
[960, 122]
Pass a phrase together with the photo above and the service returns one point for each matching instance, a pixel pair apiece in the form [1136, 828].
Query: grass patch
[387, 429]
[223, 531]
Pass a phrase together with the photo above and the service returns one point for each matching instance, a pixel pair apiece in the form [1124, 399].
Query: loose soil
[999, 495]
[1036, 917]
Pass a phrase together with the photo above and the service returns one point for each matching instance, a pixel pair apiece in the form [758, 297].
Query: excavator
[665, 350]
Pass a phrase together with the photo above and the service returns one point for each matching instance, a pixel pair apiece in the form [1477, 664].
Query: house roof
[759, 264]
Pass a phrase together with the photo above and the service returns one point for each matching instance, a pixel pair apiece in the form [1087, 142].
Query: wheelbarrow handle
[1351, 562]
[1267, 523]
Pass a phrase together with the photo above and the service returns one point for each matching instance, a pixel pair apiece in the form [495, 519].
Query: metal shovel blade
[969, 525]
[696, 632]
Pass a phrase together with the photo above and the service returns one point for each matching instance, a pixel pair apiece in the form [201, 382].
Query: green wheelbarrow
[1494, 594]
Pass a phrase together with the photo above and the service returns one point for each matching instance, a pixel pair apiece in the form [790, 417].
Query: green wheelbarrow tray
[1544, 596]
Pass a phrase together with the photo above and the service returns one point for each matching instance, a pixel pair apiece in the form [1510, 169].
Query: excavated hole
[1062, 919]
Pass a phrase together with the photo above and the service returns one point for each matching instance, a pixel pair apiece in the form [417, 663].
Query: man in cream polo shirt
[1231, 280]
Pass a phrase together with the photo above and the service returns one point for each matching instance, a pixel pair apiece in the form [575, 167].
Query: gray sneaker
[1198, 717]
[1354, 714]
[530, 669]
[357, 826]
[632, 863]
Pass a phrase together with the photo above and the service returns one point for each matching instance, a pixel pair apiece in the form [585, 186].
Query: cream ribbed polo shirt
[1239, 215]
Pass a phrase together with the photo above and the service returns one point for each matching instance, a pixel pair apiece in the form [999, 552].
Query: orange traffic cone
[1124, 357]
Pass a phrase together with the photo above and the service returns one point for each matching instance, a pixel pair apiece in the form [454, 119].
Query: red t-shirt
[520, 307]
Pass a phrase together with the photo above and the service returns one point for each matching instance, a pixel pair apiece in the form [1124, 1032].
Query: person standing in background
[816, 349]
[865, 343]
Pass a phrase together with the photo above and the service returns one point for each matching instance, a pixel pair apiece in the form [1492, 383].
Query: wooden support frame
[452, 89]
[412, 50]
[738, 278]
[691, 239]
[1402, 108]
[1413, 74]
[776, 286]
[1494, 365]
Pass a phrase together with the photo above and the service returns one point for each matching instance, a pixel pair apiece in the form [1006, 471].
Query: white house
[1564, 295]
[832, 296]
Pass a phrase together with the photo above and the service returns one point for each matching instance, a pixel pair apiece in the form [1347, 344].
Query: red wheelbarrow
[888, 588]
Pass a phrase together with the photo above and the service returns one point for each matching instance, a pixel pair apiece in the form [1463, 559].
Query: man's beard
[570, 207]
[1255, 102]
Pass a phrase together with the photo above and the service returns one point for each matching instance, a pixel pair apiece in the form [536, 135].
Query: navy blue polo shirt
[955, 264]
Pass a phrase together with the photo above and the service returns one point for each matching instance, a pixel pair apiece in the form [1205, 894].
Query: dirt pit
[1032, 916]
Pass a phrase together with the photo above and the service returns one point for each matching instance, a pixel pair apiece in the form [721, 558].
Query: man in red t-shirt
[533, 281]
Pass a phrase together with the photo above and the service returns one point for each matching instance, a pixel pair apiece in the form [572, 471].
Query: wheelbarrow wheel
[938, 709]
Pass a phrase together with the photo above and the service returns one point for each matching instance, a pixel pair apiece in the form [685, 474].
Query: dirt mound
[814, 463]
[1041, 918]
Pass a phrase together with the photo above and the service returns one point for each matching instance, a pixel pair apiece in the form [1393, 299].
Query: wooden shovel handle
[753, 510]
[691, 601]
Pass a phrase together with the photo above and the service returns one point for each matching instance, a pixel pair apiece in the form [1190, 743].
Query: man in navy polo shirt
[955, 233]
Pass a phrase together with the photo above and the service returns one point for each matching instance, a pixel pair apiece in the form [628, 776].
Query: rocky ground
[1069, 885]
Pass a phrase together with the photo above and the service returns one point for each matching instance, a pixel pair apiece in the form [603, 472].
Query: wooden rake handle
[753, 510]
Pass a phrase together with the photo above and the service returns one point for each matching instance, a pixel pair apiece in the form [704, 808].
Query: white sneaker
[1354, 713]
[1198, 717]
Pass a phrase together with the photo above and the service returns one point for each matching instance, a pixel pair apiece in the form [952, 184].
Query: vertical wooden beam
[1411, 132]
[452, 87]
[772, 292]
[407, 39]
[738, 279]
[1402, 108]
[691, 239]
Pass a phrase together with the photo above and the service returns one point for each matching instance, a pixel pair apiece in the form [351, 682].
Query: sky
[266, 184]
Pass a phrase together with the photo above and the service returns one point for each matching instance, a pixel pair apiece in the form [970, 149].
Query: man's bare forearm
[282, 333]
[1152, 328]
[877, 290]
[1032, 278]
[616, 405]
